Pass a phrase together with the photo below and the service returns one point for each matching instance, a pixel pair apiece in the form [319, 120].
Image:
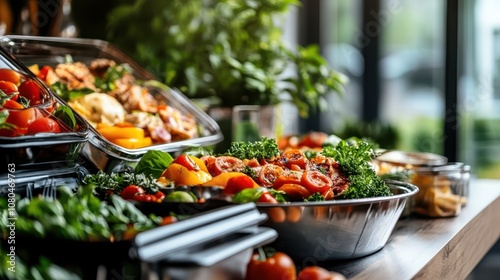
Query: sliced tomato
[294, 157]
[225, 164]
[45, 124]
[237, 184]
[327, 193]
[295, 191]
[10, 75]
[318, 273]
[131, 191]
[268, 174]
[187, 162]
[30, 90]
[290, 177]
[314, 181]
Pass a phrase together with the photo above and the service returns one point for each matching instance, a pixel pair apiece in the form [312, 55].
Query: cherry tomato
[43, 72]
[267, 197]
[160, 196]
[268, 174]
[313, 139]
[291, 177]
[131, 191]
[10, 89]
[167, 220]
[10, 75]
[277, 266]
[295, 191]
[30, 90]
[294, 157]
[318, 273]
[19, 116]
[187, 162]
[225, 164]
[237, 184]
[314, 181]
[44, 125]
[145, 197]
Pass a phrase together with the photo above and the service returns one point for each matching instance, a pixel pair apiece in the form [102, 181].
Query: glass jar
[443, 190]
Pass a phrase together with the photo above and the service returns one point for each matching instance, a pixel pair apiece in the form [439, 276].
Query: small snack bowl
[443, 189]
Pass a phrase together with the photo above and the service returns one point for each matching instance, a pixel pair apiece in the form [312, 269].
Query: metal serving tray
[105, 155]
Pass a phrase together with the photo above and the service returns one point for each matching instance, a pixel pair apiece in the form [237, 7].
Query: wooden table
[442, 248]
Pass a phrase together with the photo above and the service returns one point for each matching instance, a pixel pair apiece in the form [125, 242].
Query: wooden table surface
[441, 248]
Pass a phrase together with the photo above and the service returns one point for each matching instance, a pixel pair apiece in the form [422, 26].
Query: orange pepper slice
[221, 179]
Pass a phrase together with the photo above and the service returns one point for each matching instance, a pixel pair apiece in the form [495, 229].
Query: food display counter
[444, 248]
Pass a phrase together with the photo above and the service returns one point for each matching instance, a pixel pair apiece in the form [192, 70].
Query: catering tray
[23, 150]
[31, 183]
[31, 50]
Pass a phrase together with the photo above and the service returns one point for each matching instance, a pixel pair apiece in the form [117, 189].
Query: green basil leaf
[248, 195]
[65, 114]
[153, 163]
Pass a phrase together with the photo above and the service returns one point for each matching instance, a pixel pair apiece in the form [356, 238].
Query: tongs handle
[251, 238]
[157, 243]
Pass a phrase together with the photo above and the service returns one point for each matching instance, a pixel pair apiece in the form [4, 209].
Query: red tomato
[313, 139]
[145, 197]
[10, 75]
[44, 125]
[268, 174]
[291, 177]
[278, 266]
[237, 184]
[30, 90]
[19, 117]
[43, 72]
[318, 273]
[225, 164]
[295, 191]
[314, 181]
[267, 197]
[187, 162]
[160, 196]
[131, 191]
[327, 193]
[10, 89]
[168, 220]
[294, 157]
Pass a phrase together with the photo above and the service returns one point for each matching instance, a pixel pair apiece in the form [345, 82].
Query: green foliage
[230, 50]
[354, 161]
[264, 148]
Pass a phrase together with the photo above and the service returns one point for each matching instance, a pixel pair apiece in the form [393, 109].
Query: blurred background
[423, 75]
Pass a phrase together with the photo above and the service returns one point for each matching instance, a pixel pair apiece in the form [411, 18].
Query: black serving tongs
[218, 233]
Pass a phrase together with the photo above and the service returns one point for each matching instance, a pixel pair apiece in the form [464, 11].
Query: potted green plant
[230, 52]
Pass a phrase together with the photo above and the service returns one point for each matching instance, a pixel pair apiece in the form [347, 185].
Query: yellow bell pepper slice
[182, 176]
[114, 132]
[132, 143]
[200, 163]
